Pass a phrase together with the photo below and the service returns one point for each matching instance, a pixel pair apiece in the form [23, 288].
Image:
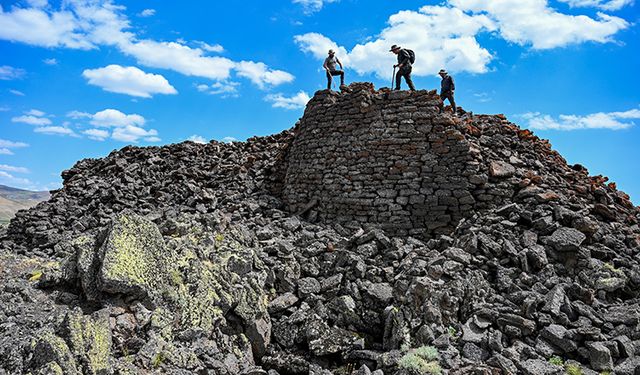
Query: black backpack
[412, 55]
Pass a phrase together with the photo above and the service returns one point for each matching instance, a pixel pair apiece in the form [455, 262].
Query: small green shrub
[555, 360]
[427, 352]
[158, 360]
[573, 370]
[422, 360]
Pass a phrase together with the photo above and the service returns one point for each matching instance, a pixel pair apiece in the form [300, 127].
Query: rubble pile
[379, 237]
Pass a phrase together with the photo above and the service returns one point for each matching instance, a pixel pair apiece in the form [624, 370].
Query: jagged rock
[540, 367]
[501, 169]
[566, 239]
[600, 356]
[335, 340]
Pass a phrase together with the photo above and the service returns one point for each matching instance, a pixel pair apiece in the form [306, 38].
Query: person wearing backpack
[330, 65]
[447, 87]
[406, 58]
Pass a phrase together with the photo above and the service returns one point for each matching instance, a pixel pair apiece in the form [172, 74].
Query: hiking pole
[393, 76]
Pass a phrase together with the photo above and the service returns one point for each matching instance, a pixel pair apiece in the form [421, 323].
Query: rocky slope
[192, 258]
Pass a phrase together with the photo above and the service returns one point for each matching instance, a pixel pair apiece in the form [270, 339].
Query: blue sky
[80, 78]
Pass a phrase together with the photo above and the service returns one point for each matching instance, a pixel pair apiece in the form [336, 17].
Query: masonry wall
[383, 159]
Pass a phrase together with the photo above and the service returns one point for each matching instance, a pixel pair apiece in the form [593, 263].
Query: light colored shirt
[331, 63]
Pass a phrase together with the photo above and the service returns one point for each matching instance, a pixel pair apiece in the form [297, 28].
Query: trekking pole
[393, 76]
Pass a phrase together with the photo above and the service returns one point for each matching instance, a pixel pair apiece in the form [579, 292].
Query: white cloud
[197, 139]
[601, 4]
[16, 92]
[115, 118]
[128, 80]
[260, 74]
[294, 102]
[8, 73]
[601, 120]
[35, 112]
[51, 61]
[535, 23]
[11, 144]
[183, 59]
[227, 89]
[78, 115]
[130, 133]
[229, 139]
[4, 108]
[96, 134]
[440, 36]
[148, 13]
[31, 120]
[6, 146]
[9, 179]
[55, 130]
[119, 126]
[216, 48]
[444, 36]
[38, 3]
[11, 168]
[311, 6]
[87, 24]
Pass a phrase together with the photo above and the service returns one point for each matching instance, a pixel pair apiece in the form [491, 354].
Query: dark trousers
[405, 72]
[447, 95]
[332, 73]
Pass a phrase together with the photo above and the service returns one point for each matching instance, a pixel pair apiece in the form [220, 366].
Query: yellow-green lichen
[573, 370]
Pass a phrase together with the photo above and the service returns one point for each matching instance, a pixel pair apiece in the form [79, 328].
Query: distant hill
[12, 200]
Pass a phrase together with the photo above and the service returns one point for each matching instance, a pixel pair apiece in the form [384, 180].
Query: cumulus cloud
[114, 124]
[133, 134]
[88, 24]
[55, 130]
[115, 118]
[600, 120]
[96, 134]
[148, 13]
[535, 23]
[440, 36]
[31, 120]
[8, 73]
[260, 74]
[601, 4]
[128, 80]
[297, 101]
[51, 61]
[311, 6]
[446, 35]
[197, 139]
[229, 139]
[179, 57]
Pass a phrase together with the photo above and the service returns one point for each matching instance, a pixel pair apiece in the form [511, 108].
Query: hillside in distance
[13, 199]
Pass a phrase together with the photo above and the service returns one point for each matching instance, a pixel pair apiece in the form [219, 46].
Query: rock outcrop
[376, 237]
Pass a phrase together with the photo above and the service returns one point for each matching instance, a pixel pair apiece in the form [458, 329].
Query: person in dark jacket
[404, 67]
[447, 87]
[330, 66]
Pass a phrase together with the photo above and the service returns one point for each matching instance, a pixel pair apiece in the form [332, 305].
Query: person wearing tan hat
[330, 66]
[404, 65]
[447, 87]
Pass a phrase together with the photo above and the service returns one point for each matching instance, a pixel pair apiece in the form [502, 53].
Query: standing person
[447, 87]
[330, 65]
[405, 60]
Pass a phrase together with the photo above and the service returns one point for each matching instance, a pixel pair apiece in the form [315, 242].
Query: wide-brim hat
[332, 51]
[442, 71]
[394, 47]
